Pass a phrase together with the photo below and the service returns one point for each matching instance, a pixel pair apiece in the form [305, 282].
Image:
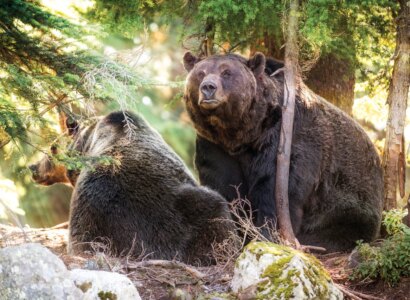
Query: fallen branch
[63, 225]
[308, 248]
[304, 248]
[167, 264]
[356, 295]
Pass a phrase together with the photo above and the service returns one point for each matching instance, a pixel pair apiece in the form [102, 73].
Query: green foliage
[37, 64]
[359, 32]
[43, 62]
[393, 221]
[10, 121]
[112, 11]
[235, 21]
[242, 21]
[51, 60]
[390, 260]
[75, 161]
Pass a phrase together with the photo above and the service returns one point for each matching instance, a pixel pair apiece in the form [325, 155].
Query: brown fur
[335, 180]
[148, 202]
[47, 172]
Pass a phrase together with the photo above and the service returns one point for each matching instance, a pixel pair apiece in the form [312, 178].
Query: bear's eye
[53, 149]
[226, 74]
[201, 74]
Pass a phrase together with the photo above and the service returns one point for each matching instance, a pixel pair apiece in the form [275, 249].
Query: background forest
[98, 56]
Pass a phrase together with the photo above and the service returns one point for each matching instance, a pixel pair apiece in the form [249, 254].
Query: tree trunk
[283, 158]
[208, 43]
[333, 78]
[273, 45]
[408, 212]
[397, 100]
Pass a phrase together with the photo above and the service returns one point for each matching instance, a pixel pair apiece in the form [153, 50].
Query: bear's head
[47, 171]
[229, 98]
[91, 142]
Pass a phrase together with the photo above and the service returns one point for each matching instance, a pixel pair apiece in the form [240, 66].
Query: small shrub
[391, 259]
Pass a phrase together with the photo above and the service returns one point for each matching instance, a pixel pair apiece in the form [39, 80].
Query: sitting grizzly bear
[149, 202]
[335, 183]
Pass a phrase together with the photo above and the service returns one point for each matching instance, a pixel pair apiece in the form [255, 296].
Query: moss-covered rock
[280, 272]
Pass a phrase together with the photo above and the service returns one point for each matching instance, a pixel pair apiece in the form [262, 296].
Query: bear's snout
[210, 92]
[34, 170]
[208, 89]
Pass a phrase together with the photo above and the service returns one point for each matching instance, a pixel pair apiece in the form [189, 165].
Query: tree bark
[408, 212]
[285, 142]
[397, 100]
[333, 78]
[273, 45]
[208, 43]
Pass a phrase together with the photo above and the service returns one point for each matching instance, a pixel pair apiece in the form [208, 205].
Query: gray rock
[354, 259]
[31, 271]
[104, 285]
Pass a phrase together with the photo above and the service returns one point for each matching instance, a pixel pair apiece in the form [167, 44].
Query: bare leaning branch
[283, 159]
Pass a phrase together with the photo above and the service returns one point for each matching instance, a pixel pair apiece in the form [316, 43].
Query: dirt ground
[161, 280]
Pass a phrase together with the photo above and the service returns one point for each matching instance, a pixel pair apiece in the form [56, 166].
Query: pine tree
[43, 60]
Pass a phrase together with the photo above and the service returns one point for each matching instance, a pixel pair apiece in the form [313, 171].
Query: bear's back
[345, 146]
[139, 149]
[136, 196]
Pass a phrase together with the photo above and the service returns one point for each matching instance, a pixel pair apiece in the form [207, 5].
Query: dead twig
[356, 295]
[53, 104]
[277, 72]
[63, 225]
[167, 264]
[308, 248]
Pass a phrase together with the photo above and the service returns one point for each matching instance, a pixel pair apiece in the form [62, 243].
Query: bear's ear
[273, 65]
[257, 63]
[72, 126]
[189, 61]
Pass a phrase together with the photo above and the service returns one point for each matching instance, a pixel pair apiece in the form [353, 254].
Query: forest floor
[161, 280]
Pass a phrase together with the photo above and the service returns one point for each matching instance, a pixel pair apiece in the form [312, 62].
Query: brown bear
[335, 181]
[148, 202]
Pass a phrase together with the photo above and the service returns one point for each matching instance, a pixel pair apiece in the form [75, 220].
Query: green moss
[85, 286]
[319, 278]
[277, 285]
[266, 247]
[107, 295]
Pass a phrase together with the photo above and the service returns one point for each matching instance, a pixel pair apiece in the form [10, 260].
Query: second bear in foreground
[335, 180]
[148, 203]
